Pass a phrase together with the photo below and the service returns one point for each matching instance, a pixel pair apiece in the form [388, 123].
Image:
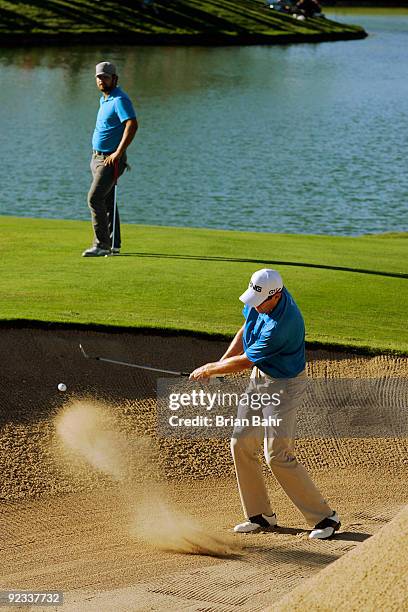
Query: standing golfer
[116, 126]
[272, 343]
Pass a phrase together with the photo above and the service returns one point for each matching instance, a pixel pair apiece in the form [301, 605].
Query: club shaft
[115, 193]
[114, 214]
[131, 365]
[141, 367]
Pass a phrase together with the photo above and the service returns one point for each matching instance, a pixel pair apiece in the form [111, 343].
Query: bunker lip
[164, 332]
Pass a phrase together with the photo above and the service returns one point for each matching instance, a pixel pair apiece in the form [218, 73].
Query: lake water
[301, 138]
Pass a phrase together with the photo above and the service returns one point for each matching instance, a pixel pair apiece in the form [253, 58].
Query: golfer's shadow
[352, 536]
[289, 555]
[288, 530]
[348, 536]
[306, 557]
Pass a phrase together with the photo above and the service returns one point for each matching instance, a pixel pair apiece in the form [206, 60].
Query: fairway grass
[184, 279]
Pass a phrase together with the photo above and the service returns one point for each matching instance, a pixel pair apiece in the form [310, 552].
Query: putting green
[190, 279]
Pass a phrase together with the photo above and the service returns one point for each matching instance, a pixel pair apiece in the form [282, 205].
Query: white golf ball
[62, 387]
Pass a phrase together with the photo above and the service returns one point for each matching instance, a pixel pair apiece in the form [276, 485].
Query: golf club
[131, 365]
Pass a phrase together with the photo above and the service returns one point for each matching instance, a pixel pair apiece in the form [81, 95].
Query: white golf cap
[263, 284]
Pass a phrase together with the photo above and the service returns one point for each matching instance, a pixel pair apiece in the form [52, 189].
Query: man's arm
[131, 126]
[236, 347]
[233, 360]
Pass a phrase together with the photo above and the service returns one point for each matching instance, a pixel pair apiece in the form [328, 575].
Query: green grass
[184, 20]
[166, 279]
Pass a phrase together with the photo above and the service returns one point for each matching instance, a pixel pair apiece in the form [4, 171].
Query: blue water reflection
[303, 138]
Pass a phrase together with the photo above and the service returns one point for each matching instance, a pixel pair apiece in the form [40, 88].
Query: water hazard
[301, 138]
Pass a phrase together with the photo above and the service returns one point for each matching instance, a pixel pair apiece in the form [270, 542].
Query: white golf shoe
[96, 252]
[326, 528]
[256, 523]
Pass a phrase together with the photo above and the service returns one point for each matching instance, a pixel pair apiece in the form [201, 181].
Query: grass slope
[174, 21]
[166, 279]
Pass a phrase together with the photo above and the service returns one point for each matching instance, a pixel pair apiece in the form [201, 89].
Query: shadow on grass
[77, 13]
[266, 261]
[10, 18]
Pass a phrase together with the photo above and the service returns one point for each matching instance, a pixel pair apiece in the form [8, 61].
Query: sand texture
[96, 504]
[374, 576]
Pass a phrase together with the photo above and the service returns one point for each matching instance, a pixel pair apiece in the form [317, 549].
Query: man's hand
[226, 366]
[131, 126]
[111, 159]
[201, 372]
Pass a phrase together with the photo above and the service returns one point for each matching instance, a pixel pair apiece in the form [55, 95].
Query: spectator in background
[116, 126]
[282, 6]
[149, 4]
[308, 8]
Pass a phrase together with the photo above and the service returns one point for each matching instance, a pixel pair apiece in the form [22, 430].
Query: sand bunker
[110, 537]
[373, 576]
[91, 431]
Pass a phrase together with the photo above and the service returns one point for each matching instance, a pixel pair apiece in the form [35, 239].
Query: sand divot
[91, 431]
[158, 523]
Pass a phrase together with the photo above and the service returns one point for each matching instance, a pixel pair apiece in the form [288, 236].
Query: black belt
[102, 152]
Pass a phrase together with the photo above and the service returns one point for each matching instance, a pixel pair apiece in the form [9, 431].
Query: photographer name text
[223, 421]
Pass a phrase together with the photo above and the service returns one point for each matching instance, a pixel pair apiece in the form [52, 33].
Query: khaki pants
[278, 442]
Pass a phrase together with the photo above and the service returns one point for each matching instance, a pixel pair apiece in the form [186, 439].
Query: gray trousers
[101, 202]
[278, 442]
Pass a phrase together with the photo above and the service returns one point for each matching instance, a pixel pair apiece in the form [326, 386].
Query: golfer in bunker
[272, 343]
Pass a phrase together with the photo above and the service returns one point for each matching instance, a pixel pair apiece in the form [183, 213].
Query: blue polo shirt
[109, 128]
[275, 342]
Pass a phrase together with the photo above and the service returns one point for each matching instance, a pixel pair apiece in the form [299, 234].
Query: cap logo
[273, 291]
[255, 287]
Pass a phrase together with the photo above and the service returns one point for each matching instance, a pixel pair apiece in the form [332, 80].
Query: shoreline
[365, 4]
[181, 22]
[199, 40]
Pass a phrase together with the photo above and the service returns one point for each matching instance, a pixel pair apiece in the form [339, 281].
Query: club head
[84, 353]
